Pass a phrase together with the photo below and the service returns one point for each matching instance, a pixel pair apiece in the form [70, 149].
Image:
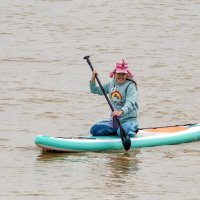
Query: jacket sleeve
[97, 90]
[131, 99]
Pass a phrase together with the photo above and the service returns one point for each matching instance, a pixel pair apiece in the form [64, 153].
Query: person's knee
[94, 130]
[101, 130]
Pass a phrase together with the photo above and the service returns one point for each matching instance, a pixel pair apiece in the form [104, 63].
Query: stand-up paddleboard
[144, 138]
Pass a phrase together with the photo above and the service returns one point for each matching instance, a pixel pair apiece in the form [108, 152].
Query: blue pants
[105, 128]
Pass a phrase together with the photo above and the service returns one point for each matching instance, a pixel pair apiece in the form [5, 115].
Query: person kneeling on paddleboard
[123, 94]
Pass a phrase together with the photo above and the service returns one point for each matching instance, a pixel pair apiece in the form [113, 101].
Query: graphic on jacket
[116, 95]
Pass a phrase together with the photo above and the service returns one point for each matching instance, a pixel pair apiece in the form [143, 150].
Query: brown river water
[44, 90]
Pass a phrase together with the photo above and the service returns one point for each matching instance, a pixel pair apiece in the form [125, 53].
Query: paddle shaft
[104, 92]
[124, 137]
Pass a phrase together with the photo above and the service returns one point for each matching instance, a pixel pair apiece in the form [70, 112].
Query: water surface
[44, 90]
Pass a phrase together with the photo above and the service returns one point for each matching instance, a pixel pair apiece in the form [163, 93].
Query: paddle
[124, 137]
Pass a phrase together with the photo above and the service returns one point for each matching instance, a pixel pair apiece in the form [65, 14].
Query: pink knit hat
[121, 68]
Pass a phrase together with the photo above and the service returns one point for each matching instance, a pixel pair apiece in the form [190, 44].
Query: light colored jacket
[122, 96]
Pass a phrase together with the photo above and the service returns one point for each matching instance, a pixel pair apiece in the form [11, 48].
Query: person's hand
[117, 113]
[94, 73]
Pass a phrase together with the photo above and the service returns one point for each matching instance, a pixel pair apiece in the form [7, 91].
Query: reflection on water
[117, 163]
[103, 170]
[124, 164]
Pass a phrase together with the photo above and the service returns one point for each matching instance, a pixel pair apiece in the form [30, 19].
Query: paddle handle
[97, 78]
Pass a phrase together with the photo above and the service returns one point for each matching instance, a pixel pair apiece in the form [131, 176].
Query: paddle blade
[126, 141]
[124, 136]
